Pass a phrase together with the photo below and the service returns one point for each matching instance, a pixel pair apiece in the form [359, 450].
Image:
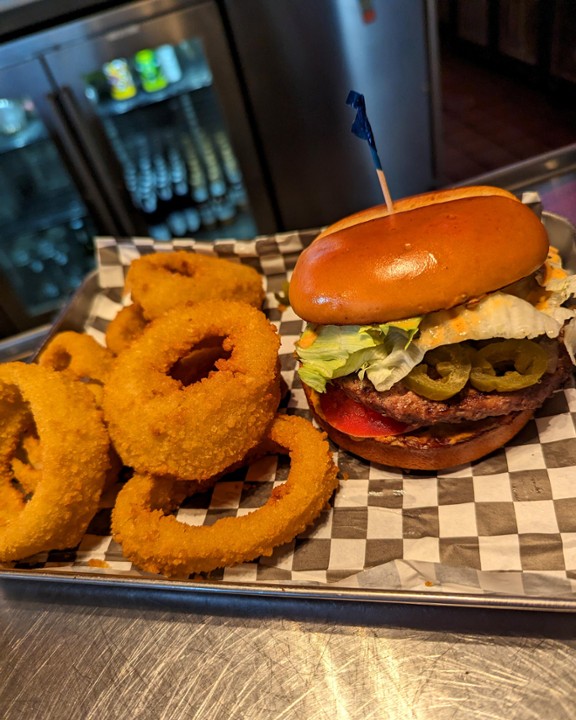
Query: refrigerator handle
[79, 167]
[95, 159]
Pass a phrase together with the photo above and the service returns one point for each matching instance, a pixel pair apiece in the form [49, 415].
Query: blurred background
[508, 82]
[228, 118]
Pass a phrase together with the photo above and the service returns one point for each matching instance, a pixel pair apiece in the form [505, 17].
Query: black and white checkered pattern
[504, 524]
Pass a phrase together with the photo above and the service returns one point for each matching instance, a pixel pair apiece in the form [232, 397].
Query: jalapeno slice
[451, 363]
[508, 365]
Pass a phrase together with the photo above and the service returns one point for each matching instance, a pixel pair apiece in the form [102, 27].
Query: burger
[433, 333]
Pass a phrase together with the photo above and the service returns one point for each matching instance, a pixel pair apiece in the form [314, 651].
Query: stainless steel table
[66, 653]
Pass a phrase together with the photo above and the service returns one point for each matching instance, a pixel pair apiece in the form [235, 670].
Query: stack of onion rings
[186, 390]
[75, 448]
[160, 426]
[159, 543]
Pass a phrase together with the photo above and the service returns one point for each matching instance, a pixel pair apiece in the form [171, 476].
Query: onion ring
[160, 426]
[13, 502]
[15, 422]
[123, 329]
[160, 281]
[130, 323]
[81, 357]
[27, 462]
[159, 543]
[74, 459]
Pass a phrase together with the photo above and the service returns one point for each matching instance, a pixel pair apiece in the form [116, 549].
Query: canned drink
[168, 61]
[120, 79]
[151, 75]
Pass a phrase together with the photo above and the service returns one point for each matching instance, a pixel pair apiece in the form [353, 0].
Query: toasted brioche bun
[428, 450]
[415, 201]
[435, 251]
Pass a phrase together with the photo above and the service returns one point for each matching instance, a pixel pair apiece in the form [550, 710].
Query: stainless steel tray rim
[494, 601]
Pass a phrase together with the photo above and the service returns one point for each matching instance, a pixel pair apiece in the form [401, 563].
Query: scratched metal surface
[68, 655]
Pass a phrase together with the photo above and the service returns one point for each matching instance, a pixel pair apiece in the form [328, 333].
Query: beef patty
[469, 404]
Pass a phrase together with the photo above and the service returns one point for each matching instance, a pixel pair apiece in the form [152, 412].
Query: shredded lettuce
[558, 291]
[386, 353]
[340, 350]
[495, 316]
[570, 339]
[393, 362]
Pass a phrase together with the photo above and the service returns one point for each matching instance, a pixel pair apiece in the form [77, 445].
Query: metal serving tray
[498, 533]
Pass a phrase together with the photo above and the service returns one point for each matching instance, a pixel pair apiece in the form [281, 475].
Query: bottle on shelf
[216, 180]
[224, 210]
[196, 175]
[131, 182]
[227, 157]
[207, 215]
[177, 223]
[193, 220]
[236, 191]
[160, 232]
[162, 179]
[178, 174]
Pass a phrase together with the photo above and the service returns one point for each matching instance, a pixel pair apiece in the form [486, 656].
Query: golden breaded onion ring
[161, 281]
[128, 324]
[83, 359]
[26, 463]
[80, 356]
[74, 459]
[159, 543]
[161, 426]
[16, 423]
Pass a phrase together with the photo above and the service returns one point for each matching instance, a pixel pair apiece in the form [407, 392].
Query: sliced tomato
[353, 418]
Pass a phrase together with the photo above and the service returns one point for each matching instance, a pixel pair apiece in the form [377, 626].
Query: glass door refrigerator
[50, 205]
[201, 118]
[149, 100]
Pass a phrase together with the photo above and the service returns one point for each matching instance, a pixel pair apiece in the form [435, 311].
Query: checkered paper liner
[505, 524]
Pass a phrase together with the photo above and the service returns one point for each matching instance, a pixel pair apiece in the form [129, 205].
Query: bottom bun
[433, 448]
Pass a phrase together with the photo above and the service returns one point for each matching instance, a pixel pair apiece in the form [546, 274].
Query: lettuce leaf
[498, 315]
[570, 339]
[392, 362]
[340, 350]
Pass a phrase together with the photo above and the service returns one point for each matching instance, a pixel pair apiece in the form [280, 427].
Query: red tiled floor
[491, 120]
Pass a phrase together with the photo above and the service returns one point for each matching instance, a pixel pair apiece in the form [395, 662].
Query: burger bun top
[435, 251]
